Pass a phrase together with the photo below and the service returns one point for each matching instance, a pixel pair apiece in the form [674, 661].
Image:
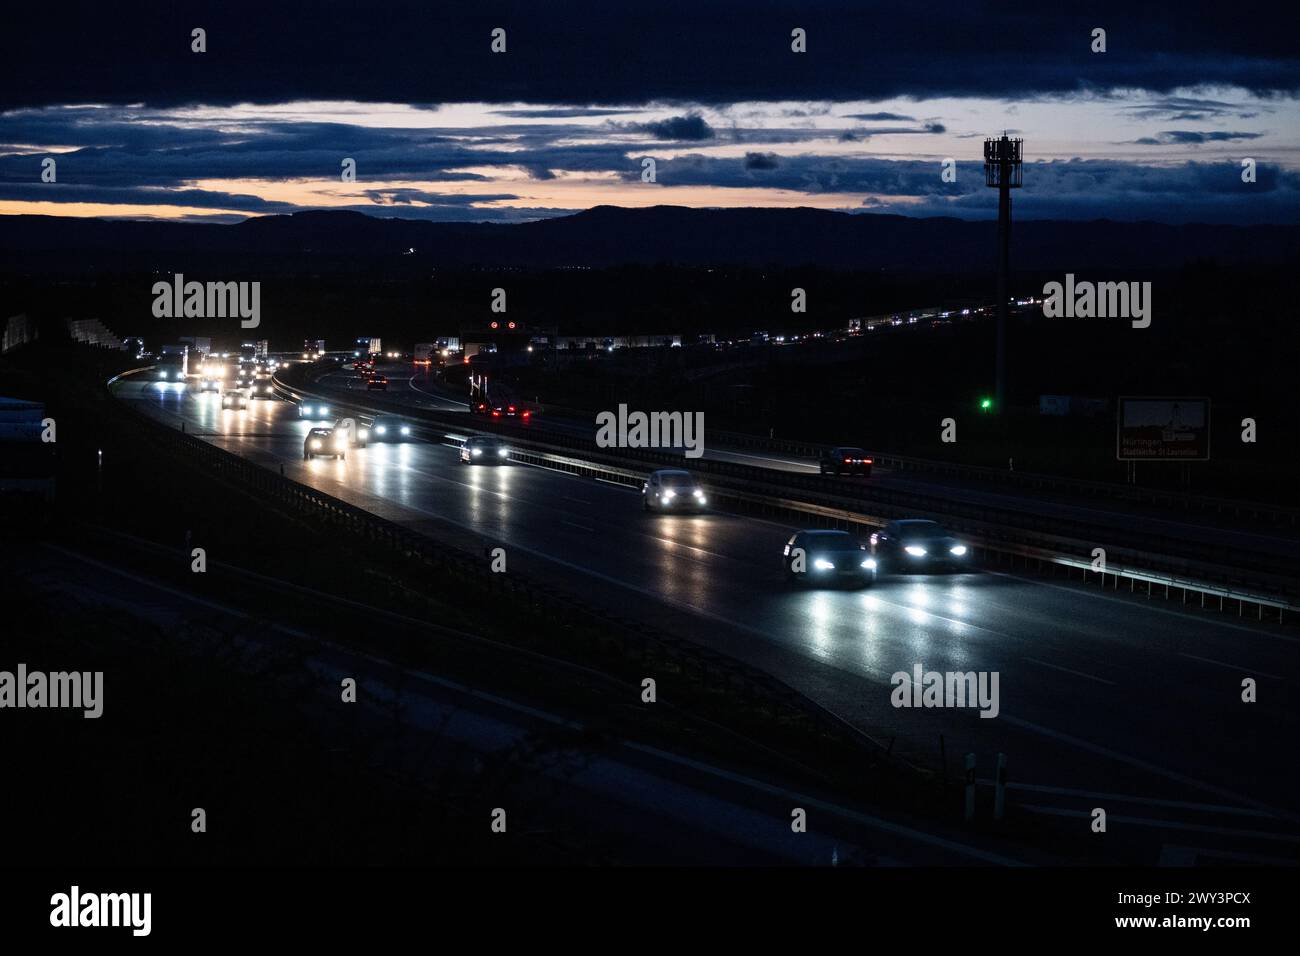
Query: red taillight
[495, 413]
[526, 414]
[511, 408]
[848, 461]
[868, 461]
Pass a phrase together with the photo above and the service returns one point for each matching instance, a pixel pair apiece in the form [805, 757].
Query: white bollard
[970, 787]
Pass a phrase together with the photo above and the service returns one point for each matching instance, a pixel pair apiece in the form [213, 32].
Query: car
[352, 431]
[845, 460]
[261, 387]
[478, 407]
[210, 385]
[671, 489]
[817, 556]
[323, 441]
[315, 411]
[377, 383]
[484, 450]
[234, 398]
[389, 428]
[914, 544]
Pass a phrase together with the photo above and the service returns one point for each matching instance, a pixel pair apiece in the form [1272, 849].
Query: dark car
[323, 441]
[845, 461]
[389, 428]
[479, 407]
[915, 544]
[484, 450]
[827, 557]
[377, 383]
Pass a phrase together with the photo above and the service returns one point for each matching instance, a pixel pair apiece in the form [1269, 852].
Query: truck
[424, 353]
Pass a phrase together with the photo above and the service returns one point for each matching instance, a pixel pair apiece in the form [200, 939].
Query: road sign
[1163, 429]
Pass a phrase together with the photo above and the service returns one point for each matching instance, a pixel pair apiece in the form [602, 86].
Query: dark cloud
[679, 127]
[762, 161]
[1188, 137]
[609, 55]
[881, 116]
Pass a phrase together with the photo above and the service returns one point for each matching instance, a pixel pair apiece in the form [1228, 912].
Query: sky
[441, 127]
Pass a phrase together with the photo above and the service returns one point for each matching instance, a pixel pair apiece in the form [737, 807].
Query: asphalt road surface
[1105, 700]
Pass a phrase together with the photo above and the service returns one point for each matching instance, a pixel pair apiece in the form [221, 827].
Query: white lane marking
[1231, 667]
[1058, 667]
[1144, 764]
[1126, 798]
[1166, 824]
[781, 461]
[853, 815]
[573, 524]
[1152, 605]
[410, 382]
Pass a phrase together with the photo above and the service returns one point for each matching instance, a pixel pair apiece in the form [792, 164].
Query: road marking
[572, 524]
[1166, 824]
[1126, 798]
[1231, 667]
[1154, 605]
[1058, 667]
[1144, 764]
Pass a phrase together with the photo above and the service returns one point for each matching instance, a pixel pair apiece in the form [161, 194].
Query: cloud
[600, 54]
[881, 116]
[1187, 137]
[761, 161]
[691, 127]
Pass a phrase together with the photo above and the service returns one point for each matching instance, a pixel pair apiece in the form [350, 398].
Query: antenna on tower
[1003, 170]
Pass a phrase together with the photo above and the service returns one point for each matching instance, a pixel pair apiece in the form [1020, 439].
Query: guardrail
[1271, 513]
[839, 502]
[715, 673]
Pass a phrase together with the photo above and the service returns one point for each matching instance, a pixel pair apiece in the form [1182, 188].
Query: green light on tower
[986, 404]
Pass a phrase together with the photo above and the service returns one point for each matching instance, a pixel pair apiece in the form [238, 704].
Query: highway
[1106, 700]
[1216, 530]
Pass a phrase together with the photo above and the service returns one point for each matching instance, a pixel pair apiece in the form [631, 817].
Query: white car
[234, 398]
[352, 431]
[671, 489]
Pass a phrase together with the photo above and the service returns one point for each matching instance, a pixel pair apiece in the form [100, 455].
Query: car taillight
[526, 414]
[848, 461]
[867, 461]
[496, 413]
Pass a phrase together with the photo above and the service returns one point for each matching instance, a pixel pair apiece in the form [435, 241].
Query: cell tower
[1003, 169]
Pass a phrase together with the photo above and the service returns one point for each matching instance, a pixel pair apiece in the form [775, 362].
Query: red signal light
[495, 324]
[510, 325]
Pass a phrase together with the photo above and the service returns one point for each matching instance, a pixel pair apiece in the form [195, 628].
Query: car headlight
[958, 550]
[502, 452]
[915, 550]
[669, 494]
[315, 443]
[362, 434]
[476, 451]
[340, 443]
[406, 430]
[698, 493]
[324, 409]
[381, 429]
[306, 409]
[821, 564]
[869, 564]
